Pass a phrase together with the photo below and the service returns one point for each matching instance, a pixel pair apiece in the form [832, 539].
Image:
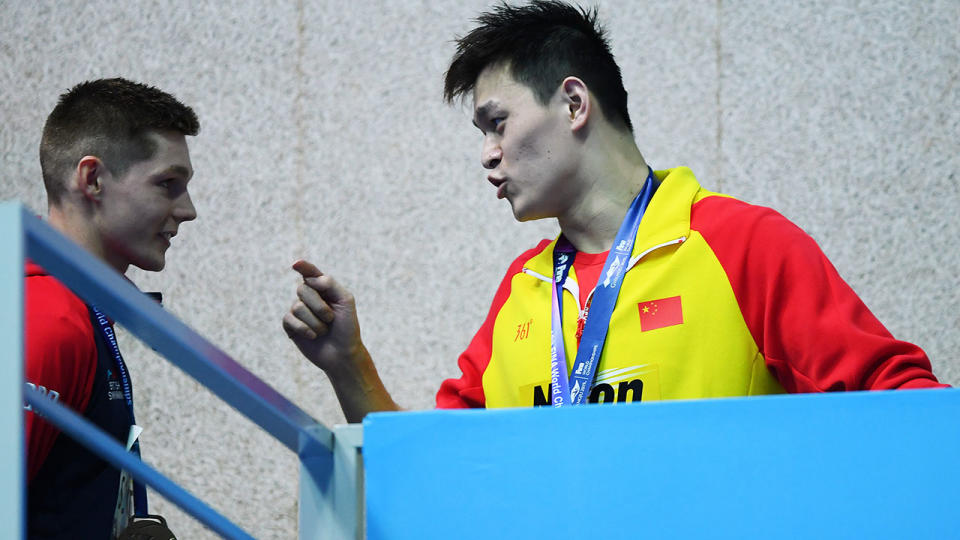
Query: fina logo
[623, 246]
[562, 260]
[614, 268]
[575, 391]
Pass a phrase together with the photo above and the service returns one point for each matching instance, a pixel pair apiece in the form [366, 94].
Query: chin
[151, 265]
[522, 214]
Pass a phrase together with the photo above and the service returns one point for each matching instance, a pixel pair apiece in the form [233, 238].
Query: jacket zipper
[574, 288]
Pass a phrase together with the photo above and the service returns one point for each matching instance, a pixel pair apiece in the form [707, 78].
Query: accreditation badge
[126, 526]
[124, 508]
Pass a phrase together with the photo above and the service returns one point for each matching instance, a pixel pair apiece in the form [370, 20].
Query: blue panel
[11, 362]
[861, 464]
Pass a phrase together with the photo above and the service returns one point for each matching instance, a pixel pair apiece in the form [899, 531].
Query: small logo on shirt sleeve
[44, 391]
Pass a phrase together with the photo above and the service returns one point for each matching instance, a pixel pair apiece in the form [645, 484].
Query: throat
[592, 225]
[593, 232]
[589, 242]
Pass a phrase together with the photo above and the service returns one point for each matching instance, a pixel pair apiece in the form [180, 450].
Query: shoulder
[718, 212]
[47, 299]
[516, 267]
[519, 262]
[537, 260]
[729, 224]
[55, 319]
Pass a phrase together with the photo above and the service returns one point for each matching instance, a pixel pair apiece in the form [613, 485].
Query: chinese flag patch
[660, 313]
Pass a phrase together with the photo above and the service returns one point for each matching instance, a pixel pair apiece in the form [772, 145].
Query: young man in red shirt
[115, 167]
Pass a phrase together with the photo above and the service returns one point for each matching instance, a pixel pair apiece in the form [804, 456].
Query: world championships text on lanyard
[139, 490]
[601, 308]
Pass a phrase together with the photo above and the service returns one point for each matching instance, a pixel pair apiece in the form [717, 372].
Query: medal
[147, 528]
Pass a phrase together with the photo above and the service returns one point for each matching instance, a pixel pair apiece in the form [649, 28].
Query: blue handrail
[105, 446]
[102, 286]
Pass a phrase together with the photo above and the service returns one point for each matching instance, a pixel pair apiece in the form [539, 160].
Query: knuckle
[304, 290]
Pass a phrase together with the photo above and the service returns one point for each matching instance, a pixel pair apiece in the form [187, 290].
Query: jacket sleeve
[813, 330]
[60, 359]
[467, 391]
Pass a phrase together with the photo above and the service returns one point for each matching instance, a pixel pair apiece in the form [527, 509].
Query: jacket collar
[667, 217]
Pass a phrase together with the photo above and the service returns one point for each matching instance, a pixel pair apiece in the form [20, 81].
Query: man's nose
[491, 154]
[185, 210]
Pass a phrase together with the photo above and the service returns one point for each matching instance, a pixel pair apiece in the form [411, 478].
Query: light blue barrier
[11, 385]
[321, 511]
[854, 465]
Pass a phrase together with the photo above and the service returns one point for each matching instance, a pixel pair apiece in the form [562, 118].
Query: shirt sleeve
[467, 391]
[60, 360]
[813, 330]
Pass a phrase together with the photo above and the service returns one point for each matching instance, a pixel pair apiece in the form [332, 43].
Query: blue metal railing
[98, 284]
[105, 446]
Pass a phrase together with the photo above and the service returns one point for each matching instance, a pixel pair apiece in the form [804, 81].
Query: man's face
[527, 147]
[142, 210]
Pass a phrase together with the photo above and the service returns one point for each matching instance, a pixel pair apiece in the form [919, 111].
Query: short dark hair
[110, 119]
[542, 43]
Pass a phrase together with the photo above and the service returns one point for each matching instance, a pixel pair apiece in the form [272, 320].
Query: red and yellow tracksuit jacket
[722, 298]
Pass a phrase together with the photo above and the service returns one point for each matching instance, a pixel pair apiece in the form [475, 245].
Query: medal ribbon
[139, 490]
[575, 388]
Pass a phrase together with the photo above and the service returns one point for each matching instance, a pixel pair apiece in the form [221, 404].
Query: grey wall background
[324, 136]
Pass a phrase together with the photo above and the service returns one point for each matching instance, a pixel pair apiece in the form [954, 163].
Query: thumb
[307, 269]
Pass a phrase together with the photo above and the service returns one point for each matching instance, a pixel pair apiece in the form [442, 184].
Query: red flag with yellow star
[660, 313]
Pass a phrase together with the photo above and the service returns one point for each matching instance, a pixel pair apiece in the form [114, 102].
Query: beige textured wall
[324, 136]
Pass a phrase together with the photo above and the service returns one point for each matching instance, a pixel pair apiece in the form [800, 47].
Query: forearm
[323, 324]
[359, 388]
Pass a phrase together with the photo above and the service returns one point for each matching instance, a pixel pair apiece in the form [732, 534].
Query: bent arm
[359, 388]
[813, 330]
[323, 324]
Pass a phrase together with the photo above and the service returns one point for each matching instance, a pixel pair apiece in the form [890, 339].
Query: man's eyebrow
[482, 112]
[179, 170]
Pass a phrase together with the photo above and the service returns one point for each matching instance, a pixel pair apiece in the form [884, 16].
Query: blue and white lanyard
[139, 490]
[601, 307]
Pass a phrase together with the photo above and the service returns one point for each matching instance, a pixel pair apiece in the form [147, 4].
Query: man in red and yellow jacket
[655, 289]
[721, 298]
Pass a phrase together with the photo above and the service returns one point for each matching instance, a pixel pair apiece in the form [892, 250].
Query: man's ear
[89, 176]
[577, 100]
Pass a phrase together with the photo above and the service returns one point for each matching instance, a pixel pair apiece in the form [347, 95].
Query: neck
[614, 178]
[80, 229]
